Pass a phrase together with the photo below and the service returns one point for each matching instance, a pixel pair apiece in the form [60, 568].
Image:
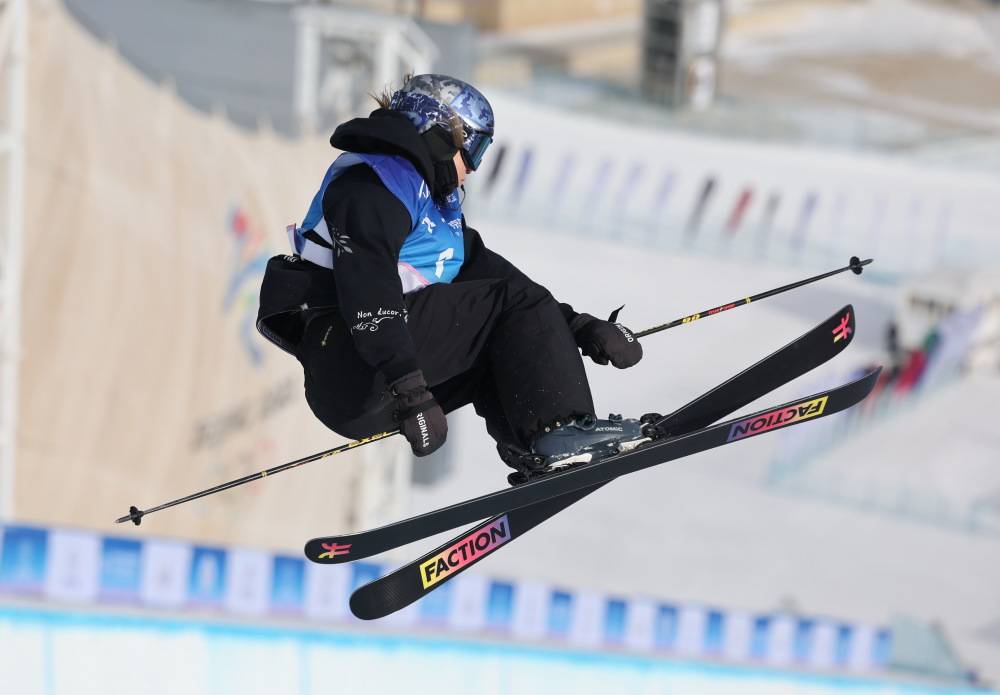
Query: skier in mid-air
[399, 314]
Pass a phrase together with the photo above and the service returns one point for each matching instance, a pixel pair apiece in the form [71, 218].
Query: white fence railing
[572, 172]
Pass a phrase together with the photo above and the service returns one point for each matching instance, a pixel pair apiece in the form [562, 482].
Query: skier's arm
[481, 263]
[373, 224]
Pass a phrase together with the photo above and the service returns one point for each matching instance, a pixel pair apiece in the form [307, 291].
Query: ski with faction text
[416, 579]
[566, 487]
[837, 332]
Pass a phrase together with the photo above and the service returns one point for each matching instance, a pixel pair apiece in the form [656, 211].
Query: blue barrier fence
[82, 568]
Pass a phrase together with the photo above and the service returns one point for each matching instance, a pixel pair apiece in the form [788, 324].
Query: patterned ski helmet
[429, 100]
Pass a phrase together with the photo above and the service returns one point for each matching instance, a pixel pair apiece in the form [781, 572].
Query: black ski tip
[614, 314]
[872, 378]
[364, 608]
[331, 550]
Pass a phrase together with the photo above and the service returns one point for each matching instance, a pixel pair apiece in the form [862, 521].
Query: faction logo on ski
[482, 541]
[777, 418]
[842, 330]
[334, 549]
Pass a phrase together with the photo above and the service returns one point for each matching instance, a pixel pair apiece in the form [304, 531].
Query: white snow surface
[705, 529]
[869, 27]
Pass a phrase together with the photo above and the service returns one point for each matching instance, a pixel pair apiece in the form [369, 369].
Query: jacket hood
[386, 132]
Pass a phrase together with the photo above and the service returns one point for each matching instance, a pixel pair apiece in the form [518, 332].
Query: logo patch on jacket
[340, 241]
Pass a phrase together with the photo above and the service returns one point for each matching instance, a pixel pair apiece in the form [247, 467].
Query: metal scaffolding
[342, 55]
[13, 78]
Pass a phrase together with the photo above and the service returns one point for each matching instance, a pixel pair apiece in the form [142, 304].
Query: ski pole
[135, 514]
[856, 266]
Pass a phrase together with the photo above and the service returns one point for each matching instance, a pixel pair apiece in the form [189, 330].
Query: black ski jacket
[359, 205]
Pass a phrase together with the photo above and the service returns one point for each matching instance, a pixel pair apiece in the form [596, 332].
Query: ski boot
[579, 440]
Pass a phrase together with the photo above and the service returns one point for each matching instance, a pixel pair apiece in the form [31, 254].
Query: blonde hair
[384, 98]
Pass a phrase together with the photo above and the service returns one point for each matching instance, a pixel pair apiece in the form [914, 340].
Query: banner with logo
[148, 227]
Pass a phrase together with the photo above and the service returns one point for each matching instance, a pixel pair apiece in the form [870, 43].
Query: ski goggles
[475, 147]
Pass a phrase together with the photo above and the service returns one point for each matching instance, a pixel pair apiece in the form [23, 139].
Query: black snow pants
[506, 349]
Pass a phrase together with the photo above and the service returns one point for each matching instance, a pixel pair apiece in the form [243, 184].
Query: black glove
[603, 341]
[420, 418]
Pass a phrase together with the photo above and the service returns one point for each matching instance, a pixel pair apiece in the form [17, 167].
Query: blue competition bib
[433, 251]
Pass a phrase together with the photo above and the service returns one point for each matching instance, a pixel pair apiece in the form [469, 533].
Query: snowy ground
[77, 653]
[904, 74]
[706, 529]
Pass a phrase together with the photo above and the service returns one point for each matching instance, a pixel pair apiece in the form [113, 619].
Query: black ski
[405, 585]
[355, 546]
[586, 475]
